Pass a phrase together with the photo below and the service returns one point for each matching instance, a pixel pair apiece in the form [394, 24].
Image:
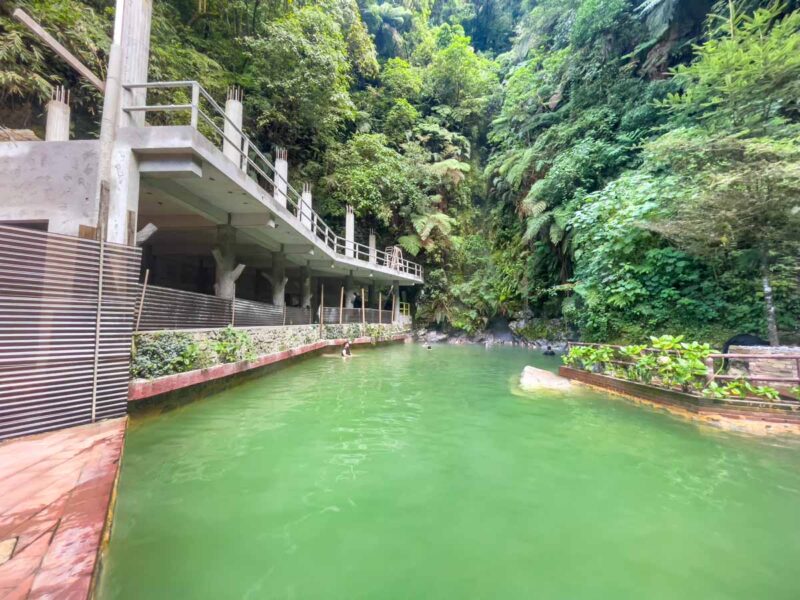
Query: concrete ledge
[743, 419]
[141, 389]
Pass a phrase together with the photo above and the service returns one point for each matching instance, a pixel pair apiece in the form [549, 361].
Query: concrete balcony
[190, 184]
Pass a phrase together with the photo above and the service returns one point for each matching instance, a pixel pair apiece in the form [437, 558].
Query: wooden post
[141, 300]
[380, 307]
[233, 306]
[363, 308]
[284, 314]
[341, 306]
[394, 305]
[321, 308]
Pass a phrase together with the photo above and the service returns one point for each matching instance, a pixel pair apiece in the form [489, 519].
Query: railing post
[195, 103]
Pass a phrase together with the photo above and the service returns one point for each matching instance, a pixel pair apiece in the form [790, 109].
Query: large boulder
[533, 379]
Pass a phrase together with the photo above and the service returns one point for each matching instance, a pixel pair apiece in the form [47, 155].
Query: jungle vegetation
[629, 166]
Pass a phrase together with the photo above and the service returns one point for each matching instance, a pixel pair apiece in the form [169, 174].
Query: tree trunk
[769, 301]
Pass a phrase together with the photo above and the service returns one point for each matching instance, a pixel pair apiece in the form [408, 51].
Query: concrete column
[396, 292]
[232, 144]
[281, 176]
[129, 60]
[277, 278]
[228, 270]
[137, 17]
[350, 232]
[349, 291]
[306, 288]
[57, 128]
[306, 208]
[372, 297]
[373, 251]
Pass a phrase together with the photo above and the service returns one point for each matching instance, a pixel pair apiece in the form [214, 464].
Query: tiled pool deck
[55, 490]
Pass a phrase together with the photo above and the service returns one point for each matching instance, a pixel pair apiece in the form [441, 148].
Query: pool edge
[688, 407]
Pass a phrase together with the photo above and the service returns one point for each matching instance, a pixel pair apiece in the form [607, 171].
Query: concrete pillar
[372, 297]
[281, 188]
[137, 17]
[277, 278]
[306, 208]
[306, 288]
[129, 58]
[228, 270]
[349, 291]
[373, 251]
[57, 128]
[396, 292]
[350, 232]
[232, 143]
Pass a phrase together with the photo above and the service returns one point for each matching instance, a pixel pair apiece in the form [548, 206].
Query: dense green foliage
[669, 362]
[630, 166]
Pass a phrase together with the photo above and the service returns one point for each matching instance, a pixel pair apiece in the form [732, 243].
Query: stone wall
[268, 340]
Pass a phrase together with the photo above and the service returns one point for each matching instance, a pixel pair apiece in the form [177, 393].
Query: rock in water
[539, 379]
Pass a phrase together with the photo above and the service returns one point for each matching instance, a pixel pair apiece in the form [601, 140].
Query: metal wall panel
[166, 309]
[57, 368]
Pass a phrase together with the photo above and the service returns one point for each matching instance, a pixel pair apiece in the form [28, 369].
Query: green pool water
[414, 473]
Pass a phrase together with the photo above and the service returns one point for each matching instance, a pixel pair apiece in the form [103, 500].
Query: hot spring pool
[414, 473]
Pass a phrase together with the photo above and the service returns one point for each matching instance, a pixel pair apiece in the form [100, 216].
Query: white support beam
[298, 249]
[256, 220]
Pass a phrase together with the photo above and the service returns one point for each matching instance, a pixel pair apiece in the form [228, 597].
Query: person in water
[346, 350]
[549, 351]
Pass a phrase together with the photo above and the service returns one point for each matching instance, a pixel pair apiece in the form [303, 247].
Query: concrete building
[211, 211]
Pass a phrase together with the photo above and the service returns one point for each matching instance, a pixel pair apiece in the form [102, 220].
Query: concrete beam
[170, 166]
[178, 222]
[185, 198]
[298, 249]
[255, 220]
[145, 233]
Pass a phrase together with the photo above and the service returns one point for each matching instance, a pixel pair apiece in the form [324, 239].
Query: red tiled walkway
[55, 490]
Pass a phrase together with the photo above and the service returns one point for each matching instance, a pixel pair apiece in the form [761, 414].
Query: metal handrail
[265, 169]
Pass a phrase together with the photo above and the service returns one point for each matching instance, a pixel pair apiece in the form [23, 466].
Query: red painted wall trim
[140, 389]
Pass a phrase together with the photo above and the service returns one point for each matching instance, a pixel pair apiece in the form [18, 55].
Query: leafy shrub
[159, 354]
[233, 345]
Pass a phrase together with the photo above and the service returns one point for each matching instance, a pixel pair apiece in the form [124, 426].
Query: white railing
[258, 167]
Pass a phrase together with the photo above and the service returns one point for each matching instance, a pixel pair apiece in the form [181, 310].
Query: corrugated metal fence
[66, 318]
[164, 308]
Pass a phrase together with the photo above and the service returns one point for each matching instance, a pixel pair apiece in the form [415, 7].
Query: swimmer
[549, 351]
[346, 350]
